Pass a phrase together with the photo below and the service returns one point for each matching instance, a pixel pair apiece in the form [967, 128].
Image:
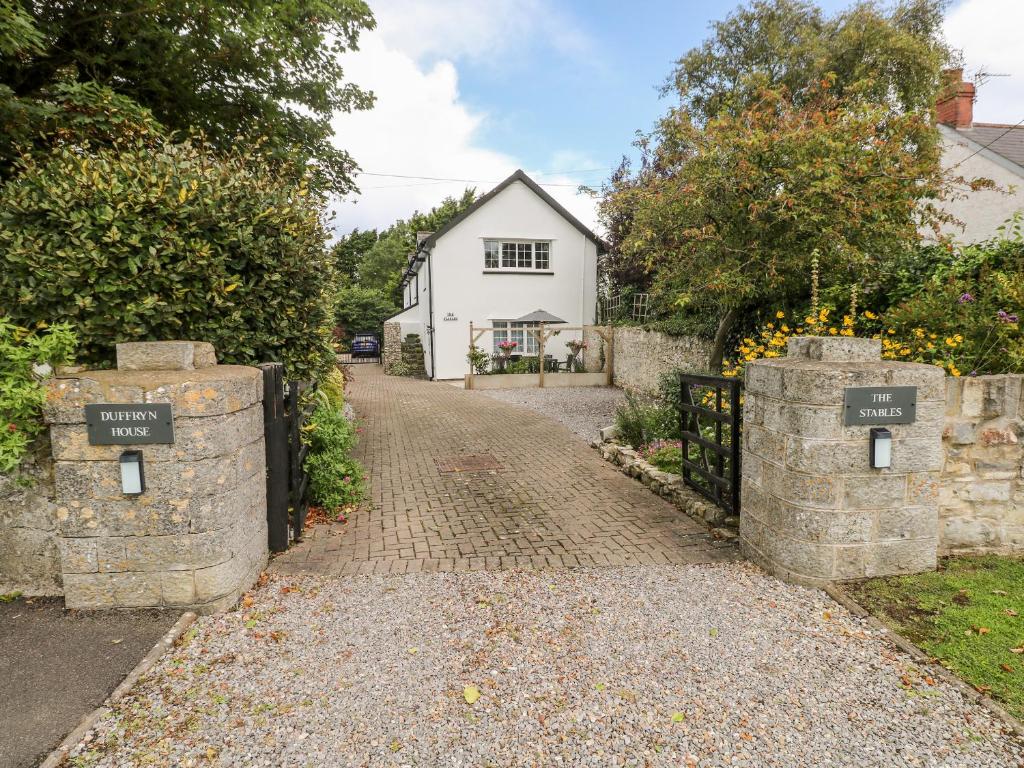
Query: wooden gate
[711, 423]
[286, 409]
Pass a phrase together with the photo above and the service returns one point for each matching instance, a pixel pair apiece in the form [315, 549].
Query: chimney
[955, 106]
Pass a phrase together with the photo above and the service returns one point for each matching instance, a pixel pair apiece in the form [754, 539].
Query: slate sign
[880, 405]
[129, 424]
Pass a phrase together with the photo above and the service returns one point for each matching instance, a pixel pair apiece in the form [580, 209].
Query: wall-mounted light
[881, 448]
[133, 478]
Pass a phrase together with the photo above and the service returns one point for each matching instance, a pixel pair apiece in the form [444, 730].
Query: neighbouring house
[980, 150]
[513, 256]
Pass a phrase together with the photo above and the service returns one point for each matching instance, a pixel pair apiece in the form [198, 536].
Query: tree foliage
[795, 135]
[149, 240]
[234, 71]
[893, 57]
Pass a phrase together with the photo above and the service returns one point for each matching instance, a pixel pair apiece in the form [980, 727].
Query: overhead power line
[986, 146]
[430, 180]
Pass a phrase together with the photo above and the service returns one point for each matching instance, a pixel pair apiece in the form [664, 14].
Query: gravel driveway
[656, 666]
[584, 410]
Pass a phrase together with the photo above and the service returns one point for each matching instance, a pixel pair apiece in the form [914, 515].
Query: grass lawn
[969, 615]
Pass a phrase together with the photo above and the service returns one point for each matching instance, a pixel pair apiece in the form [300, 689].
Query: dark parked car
[365, 345]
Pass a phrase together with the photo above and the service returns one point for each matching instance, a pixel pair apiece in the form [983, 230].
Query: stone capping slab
[209, 391]
[164, 355]
[919, 656]
[834, 348]
[669, 486]
[60, 755]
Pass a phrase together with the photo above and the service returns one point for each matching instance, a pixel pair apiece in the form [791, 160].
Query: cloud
[483, 32]
[989, 34]
[420, 126]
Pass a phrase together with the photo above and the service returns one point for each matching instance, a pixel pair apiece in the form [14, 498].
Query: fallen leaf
[395, 746]
[678, 717]
[470, 693]
[1006, 668]
[599, 686]
[1017, 650]
[746, 737]
[1010, 612]
[713, 632]
[627, 695]
[414, 650]
[247, 601]
[983, 630]
[983, 688]
[117, 642]
[1000, 592]
[929, 679]
[827, 615]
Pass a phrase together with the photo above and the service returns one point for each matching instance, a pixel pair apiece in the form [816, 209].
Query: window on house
[490, 254]
[509, 330]
[518, 255]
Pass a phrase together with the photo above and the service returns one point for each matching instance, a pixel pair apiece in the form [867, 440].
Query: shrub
[151, 240]
[335, 478]
[641, 422]
[478, 359]
[332, 388]
[399, 368]
[26, 358]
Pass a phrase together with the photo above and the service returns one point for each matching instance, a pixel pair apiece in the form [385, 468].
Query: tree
[894, 58]
[349, 251]
[756, 195]
[381, 266]
[792, 131]
[232, 70]
[362, 309]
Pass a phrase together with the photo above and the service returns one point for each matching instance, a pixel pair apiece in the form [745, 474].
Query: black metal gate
[286, 409]
[711, 424]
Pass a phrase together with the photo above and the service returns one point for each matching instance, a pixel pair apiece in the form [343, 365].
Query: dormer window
[517, 255]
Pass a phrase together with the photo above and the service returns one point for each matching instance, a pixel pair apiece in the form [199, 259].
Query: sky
[472, 90]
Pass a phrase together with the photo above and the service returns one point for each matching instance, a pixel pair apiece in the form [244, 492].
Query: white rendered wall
[466, 293]
[982, 212]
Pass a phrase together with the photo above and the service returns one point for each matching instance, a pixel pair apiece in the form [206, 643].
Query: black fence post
[276, 439]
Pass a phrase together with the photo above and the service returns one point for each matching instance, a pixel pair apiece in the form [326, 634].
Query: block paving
[552, 503]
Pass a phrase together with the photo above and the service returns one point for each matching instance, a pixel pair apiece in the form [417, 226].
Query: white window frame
[514, 330]
[516, 255]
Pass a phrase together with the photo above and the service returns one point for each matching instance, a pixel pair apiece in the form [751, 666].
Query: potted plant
[506, 348]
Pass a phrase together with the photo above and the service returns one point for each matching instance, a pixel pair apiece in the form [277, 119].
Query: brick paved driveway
[549, 501]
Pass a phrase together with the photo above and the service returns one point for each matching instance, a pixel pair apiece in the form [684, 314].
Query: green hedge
[150, 239]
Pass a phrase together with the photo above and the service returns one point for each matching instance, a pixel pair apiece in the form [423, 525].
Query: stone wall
[981, 506]
[197, 537]
[29, 557]
[642, 356]
[814, 510]
[391, 349]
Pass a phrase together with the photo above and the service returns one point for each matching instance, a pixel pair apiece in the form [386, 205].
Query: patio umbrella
[539, 316]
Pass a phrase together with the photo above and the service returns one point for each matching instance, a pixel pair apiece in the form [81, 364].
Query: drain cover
[471, 462]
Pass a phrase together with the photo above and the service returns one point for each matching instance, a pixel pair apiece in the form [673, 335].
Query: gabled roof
[428, 243]
[1001, 144]
[1004, 140]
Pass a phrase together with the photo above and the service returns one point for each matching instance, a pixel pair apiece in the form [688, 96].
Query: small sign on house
[450, 317]
[129, 423]
[880, 405]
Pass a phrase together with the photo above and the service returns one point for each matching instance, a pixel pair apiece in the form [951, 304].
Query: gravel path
[652, 666]
[584, 410]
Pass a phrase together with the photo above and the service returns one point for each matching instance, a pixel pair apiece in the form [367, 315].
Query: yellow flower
[809, 320]
[953, 370]
[785, 328]
[891, 331]
[959, 339]
[779, 315]
[833, 331]
[847, 321]
[770, 325]
[870, 315]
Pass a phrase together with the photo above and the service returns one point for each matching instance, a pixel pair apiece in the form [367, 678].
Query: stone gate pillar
[814, 508]
[196, 537]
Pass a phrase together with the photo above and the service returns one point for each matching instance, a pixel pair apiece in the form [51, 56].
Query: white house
[511, 253]
[979, 150]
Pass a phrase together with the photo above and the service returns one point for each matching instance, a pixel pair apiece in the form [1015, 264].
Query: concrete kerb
[60, 755]
[841, 596]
